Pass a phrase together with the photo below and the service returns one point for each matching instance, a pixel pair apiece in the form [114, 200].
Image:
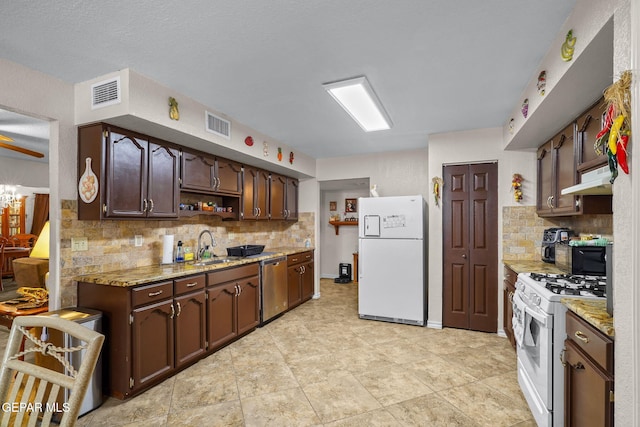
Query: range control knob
[535, 298]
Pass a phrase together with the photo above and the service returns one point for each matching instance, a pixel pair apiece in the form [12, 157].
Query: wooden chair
[24, 240]
[3, 242]
[29, 392]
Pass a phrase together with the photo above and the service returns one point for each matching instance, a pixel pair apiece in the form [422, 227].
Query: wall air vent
[217, 125]
[105, 93]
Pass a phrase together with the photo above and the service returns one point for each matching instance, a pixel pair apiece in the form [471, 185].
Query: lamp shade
[41, 249]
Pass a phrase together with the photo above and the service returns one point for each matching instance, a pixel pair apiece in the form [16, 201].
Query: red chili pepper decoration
[603, 135]
[621, 153]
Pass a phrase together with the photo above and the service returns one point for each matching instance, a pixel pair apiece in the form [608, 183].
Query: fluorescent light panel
[359, 100]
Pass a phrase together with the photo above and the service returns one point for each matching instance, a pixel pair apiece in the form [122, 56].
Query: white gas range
[539, 329]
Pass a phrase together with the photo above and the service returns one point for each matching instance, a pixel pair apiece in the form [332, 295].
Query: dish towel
[529, 340]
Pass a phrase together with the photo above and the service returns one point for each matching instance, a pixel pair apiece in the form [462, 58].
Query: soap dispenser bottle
[180, 252]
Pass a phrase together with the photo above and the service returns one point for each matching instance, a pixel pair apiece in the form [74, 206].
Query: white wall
[398, 173]
[339, 248]
[484, 145]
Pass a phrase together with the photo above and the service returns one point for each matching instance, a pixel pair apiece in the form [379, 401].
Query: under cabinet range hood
[595, 182]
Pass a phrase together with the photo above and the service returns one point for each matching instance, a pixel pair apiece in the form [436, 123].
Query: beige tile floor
[320, 365]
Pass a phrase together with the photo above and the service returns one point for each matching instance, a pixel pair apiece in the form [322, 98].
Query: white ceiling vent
[105, 93]
[217, 125]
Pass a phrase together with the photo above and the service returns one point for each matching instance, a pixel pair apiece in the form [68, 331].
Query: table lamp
[41, 248]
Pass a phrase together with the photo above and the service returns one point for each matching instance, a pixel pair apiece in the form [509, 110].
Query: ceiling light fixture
[359, 100]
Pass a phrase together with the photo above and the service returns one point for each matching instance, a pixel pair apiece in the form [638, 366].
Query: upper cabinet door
[565, 170]
[278, 191]
[163, 196]
[198, 172]
[589, 125]
[292, 199]
[126, 174]
[228, 176]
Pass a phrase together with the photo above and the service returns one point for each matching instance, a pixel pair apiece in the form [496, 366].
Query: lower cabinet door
[293, 284]
[191, 326]
[248, 304]
[307, 282]
[221, 314]
[152, 336]
[587, 391]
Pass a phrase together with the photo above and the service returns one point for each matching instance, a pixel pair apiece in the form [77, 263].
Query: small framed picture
[351, 205]
[333, 206]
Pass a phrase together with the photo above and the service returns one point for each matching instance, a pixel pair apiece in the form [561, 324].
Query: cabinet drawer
[189, 284]
[510, 275]
[597, 345]
[301, 257]
[151, 293]
[233, 273]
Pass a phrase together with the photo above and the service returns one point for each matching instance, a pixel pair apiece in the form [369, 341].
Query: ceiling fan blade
[21, 150]
[5, 138]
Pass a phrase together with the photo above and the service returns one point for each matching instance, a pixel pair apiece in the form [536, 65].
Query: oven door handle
[540, 317]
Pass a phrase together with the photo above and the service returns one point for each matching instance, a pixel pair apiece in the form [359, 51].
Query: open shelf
[338, 224]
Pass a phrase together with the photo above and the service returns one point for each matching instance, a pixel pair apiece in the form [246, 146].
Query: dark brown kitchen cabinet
[300, 278]
[509, 289]
[589, 125]
[123, 174]
[556, 170]
[152, 330]
[204, 173]
[284, 198]
[589, 381]
[233, 303]
[190, 319]
[255, 194]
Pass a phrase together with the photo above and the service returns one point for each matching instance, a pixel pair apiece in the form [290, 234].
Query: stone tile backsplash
[522, 230]
[111, 243]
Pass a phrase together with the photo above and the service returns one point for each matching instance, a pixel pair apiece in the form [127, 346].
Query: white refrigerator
[391, 263]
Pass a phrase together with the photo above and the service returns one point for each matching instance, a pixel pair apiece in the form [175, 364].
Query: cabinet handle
[179, 309]
[216, 184]
[236, 288]
[191, 285]
[144, 205]
[551, 201]
[562, 359]
[582, 337]
[259, 212]
[151, 207]
[173, 312]
[155, 294]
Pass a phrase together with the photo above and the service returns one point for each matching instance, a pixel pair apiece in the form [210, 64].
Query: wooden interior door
[470, 247]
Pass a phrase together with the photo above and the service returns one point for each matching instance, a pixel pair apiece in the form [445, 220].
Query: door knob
[464, 256]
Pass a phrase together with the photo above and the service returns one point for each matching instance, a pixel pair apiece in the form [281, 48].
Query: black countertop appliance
[550, 237]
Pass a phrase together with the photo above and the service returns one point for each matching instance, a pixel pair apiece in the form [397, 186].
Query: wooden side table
[9, 313]
[355, 267]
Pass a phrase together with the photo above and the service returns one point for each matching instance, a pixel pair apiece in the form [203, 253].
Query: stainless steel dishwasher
[273, 283]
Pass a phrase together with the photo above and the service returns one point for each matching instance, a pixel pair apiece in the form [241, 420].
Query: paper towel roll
[167, 249]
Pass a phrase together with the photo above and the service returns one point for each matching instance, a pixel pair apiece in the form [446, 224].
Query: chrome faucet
[201, 249]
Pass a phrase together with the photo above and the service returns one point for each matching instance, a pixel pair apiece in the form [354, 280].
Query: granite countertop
[520, 266]
[594, 312]
[155, 273]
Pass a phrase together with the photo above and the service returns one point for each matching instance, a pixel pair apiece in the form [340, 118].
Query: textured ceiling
[437, 66]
